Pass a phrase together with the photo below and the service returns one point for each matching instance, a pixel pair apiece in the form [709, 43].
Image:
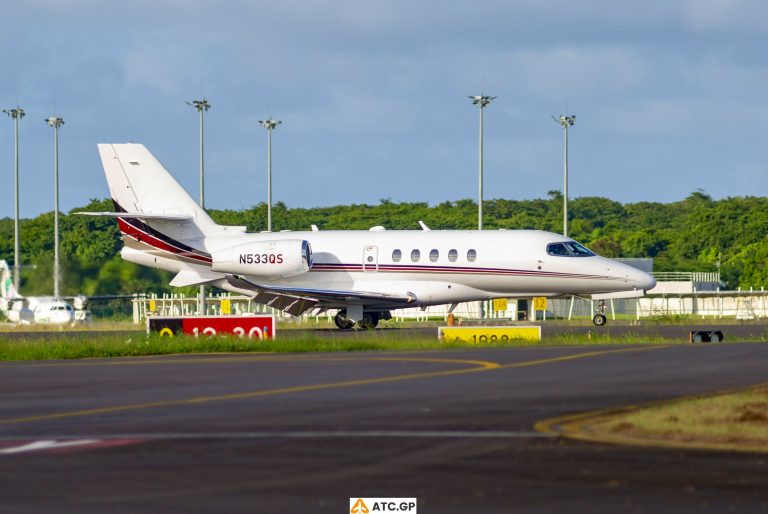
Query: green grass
[71, 344]
[75, 346]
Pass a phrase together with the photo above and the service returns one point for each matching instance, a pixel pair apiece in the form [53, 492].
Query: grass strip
[737, 420]
[77, 346]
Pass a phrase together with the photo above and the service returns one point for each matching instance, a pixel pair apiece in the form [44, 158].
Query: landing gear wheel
[342, 322]
[369, 321]
[599, 319]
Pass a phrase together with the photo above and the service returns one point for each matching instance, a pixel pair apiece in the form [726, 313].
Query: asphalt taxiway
[304, 433]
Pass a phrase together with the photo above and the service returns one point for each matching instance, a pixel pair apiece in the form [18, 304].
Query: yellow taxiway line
[475, 366]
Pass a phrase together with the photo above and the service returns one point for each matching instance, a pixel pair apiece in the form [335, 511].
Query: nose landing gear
[599, 319]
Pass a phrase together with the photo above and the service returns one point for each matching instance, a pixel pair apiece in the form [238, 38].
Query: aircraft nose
[642, 280]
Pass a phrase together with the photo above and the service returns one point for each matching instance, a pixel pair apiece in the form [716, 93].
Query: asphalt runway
[304, 433]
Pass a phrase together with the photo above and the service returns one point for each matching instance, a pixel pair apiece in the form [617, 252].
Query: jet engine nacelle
[265, 259]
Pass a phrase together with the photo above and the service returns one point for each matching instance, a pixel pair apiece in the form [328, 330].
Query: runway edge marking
[478, 366]
[577, 426]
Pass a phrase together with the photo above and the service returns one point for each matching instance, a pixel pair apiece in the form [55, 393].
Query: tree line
[695, 234]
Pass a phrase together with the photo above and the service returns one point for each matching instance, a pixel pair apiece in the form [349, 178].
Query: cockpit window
[568, 249]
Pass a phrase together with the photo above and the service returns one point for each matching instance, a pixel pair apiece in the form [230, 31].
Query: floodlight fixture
[201, 106]
[482, 101]
[16, 114]
[55, 122]
[269, 124]
[565, 122]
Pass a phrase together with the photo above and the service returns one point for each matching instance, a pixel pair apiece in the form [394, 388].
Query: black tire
[342, 322]
[369, 321]
[599, 320]
[714, 338]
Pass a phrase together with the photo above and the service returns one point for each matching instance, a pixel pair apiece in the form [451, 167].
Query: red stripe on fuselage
[140, 235]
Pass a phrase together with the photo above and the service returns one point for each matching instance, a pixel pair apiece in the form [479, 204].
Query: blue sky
[670, 97]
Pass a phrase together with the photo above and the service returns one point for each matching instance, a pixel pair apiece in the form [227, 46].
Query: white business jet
[361, 273]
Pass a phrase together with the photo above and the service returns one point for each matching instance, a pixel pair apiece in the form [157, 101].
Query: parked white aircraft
[363, 274]
[36, 309]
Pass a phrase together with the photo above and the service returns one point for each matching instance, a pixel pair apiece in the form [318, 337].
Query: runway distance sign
[488, 335]
[252, 327]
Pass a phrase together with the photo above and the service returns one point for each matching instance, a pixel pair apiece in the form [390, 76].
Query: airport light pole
[56, 122]
[201, 106]
[270, 125]
[16, 114]
[481, 101]
[566, 122]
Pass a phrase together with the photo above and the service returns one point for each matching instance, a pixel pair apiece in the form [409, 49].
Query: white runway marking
[459, 434]
[48, 444]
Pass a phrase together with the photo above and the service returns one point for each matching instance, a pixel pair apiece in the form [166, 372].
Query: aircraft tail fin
[6, 282]
[145, 192]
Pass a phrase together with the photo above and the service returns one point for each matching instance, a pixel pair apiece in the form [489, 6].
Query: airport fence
[743, 305]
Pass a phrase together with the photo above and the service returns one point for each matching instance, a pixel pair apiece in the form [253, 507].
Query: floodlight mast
[16, 114]
[481, 101]
[565, 122]
[201, 106]
[56, 122]
[270, 125]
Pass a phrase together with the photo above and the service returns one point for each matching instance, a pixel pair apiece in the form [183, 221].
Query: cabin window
[434, 255]
[415, 255]
[471, 255]
[453, 255]
[397, 255]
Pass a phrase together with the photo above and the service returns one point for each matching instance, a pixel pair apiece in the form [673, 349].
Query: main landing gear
[342, 321]
[599, 319]
[369, 321]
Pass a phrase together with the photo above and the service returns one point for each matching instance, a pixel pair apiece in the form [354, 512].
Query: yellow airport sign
[226, 306]
[488, 335]
[540, 303]
[499, 304]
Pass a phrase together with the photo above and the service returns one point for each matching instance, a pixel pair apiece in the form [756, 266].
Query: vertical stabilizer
[139, 183]
[6, 282]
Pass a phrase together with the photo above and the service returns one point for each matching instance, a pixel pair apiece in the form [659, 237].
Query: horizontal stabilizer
[193, 277]
[140, 215]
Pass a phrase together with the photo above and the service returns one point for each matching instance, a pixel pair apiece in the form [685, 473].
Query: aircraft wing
[296, 301]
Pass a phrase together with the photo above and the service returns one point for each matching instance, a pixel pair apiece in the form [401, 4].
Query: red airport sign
[252, 327]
